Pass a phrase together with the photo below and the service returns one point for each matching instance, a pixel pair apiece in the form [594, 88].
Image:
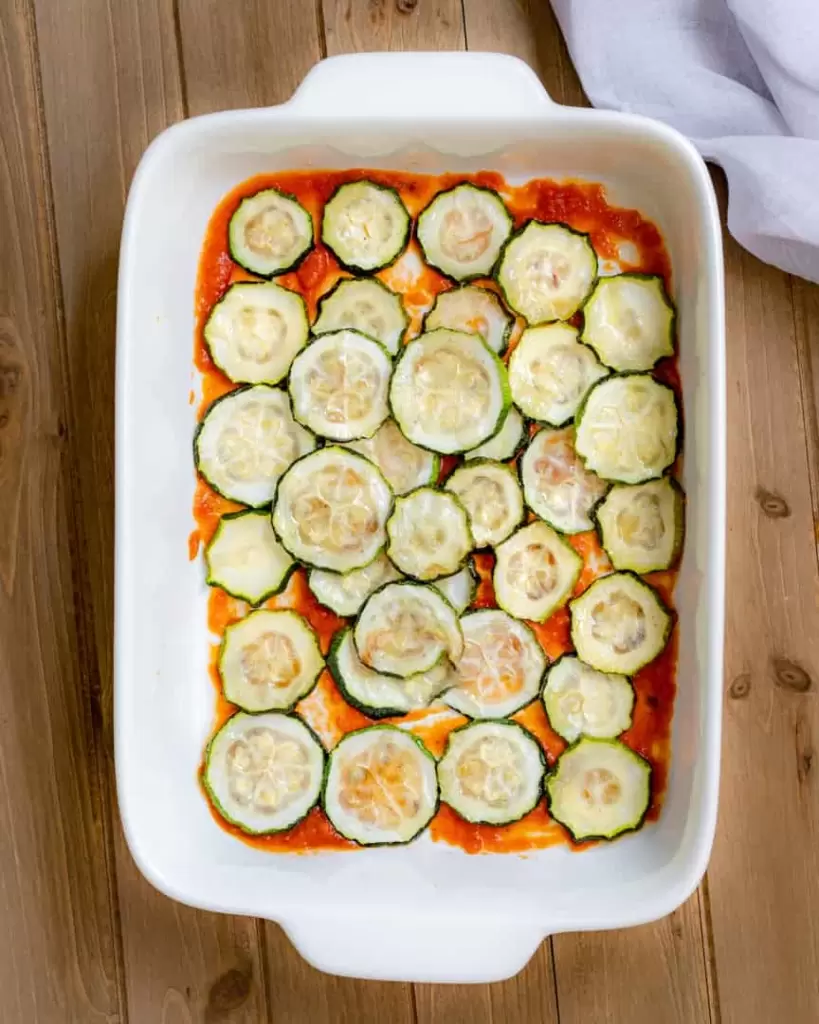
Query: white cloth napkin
[741, 79]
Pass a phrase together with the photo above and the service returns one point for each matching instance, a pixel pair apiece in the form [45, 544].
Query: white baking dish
[427, 911]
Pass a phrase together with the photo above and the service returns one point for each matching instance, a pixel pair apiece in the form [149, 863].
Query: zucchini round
[627, 428]
[472, 310]
[407, 628]
[338, 386]
[365, 305]
[429, 534]
[580, 701]
[246, 440]
[255, 330]
[345, 593]
[505, 443]
[556, 484]
[546, 271]
[462, 231]
[599, 789]
[381, 787]
[405, 466]
[491, 772]
[245, 559]
[269, 660]
[459, 589]
[490, 493]
[449, 391]
[550, 373]
[501, 669]
[365, 225]
[269, 233]
[619, 624]
[629, 321]
[331, 509]
[535, 572]
[264, 772]
[641, 525]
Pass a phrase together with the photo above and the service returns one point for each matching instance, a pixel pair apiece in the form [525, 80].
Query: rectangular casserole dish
[425, 912]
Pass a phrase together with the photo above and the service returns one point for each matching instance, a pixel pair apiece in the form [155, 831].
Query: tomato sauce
[620, 235]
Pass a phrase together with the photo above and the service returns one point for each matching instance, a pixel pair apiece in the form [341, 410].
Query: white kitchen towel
[741, 79]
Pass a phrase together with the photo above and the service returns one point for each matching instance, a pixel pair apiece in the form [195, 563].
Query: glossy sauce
[614, 232]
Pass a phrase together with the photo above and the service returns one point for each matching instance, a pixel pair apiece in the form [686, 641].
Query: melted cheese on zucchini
[629, 321]
[490, 493]
[580, 701]
[364, 304]
[535, 572]
[641, 525]
[269, 233]
[462, 231]
[405, 466]
[429, 534]
[556, 484]
[365, 225]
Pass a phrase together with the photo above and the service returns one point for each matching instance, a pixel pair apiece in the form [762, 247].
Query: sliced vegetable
[535, 572]
[331, 509]
[505, 443]
[429, 534]
[550, 372]
[459, 589]
[629, 321]
[269, 233]
[619, 624]
[345, 593]
[339, 385]
[546, 271]
[264, 772]
[365, 225]
[599, 789]
[269, 660]
[449, 391]
[641, 525]
[556, 484]
[462, 231]
[492, 772]
[490, 493]
[501, 669]
[365, 305]
[473, 310]
[407, 628]
[246, 440]
[381, 786]
[404, 465]
[580, 701]
[627, 428]
[245, 559]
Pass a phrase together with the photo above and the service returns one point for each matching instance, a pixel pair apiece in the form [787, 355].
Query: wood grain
[353, 26]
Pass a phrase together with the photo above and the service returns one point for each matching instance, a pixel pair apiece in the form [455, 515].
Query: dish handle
[423, 951]
[437, 85]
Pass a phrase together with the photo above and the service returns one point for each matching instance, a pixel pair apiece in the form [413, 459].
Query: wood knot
[406, 6]
[740, 687]
[790, 676]
[229, 991]
[773, 505]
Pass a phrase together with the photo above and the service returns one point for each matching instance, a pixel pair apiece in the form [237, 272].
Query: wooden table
[84, 86]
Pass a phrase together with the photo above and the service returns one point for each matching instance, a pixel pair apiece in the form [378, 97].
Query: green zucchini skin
[294, 264]
[211, 580]
[351, 267]
[338, 678]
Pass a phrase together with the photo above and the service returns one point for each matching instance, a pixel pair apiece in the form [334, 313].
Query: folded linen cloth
[741, 79]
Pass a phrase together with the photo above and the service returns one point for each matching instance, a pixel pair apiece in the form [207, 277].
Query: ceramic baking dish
[426, 911]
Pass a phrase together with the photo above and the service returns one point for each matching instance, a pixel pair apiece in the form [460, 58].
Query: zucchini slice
[505, 443]
[535, 572]
[264, 772]
[472, 310]
[550, 373]
[459, 589]
[255, 330]
[599, 789]
[462, 231]
[490, 493]
[269, 660]
[546, 271]
[381, 787]
[629, 321]
[501, 669]
[405, 466]
[449, 391]
[377, 695]
[619, 624]
[491, 772]
[339, 384]
[246, 440]
[269, 233]
[407, 628]
[627, 428]
[245, 559]
[365, 225]
[366, 305]
[556, 484]
[641, 525]
[345, 593]
[331, 509]
[429, 534]
[580, 701]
